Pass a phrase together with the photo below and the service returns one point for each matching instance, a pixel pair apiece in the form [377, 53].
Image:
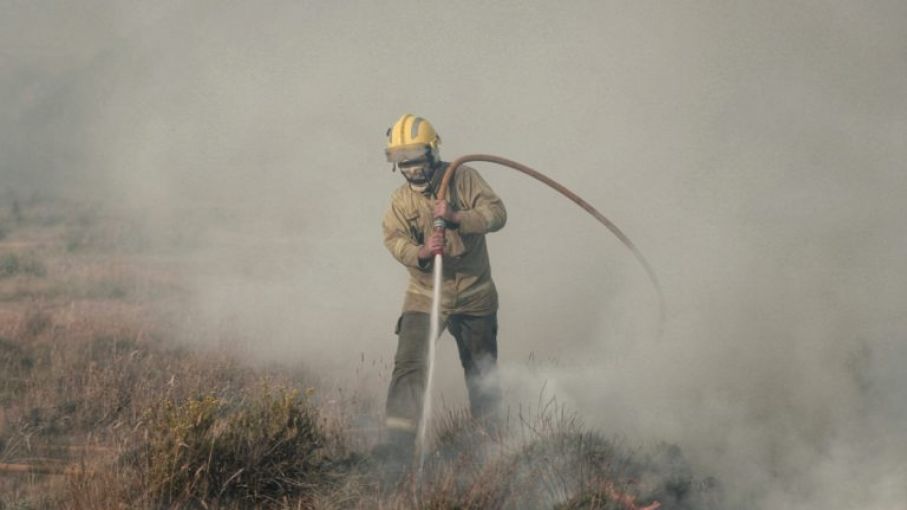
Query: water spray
[439, 224]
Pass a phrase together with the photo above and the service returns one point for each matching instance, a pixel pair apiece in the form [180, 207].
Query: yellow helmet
[411, 138]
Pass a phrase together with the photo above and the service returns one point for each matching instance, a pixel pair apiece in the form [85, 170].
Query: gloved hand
[435, 244]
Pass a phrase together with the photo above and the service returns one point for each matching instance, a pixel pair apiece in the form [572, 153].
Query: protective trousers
[476, 338]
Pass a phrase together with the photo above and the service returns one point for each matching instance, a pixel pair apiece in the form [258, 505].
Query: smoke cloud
[753, 151]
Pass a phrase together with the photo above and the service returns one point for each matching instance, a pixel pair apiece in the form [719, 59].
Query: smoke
[753, 151]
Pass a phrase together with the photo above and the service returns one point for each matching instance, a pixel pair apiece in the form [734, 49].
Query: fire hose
[439, 224]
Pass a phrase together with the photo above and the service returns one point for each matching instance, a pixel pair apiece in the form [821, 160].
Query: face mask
[417, 175]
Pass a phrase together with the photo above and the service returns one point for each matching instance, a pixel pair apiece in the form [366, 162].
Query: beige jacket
[467, 285]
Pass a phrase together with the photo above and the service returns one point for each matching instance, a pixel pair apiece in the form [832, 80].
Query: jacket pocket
[416, 228]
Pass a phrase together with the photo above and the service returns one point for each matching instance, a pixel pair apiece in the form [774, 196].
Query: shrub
[265, 447]
[12, 264]
[557, 465]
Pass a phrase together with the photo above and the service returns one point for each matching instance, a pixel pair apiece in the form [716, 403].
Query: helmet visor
[400, 155]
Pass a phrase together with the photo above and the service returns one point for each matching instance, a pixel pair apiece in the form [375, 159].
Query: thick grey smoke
[754, 151]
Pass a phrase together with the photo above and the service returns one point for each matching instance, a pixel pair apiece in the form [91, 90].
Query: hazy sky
[753, 150]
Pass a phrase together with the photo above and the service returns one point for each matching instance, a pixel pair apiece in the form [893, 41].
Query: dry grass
[266, 447]
[91, 377]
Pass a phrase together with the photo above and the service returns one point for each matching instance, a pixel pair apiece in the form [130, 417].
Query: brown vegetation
[95, 386]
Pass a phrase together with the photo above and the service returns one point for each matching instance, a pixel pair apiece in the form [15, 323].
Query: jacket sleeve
[398, 238]
[483, 212]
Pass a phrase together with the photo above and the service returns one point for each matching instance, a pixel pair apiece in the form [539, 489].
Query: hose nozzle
[439, 225]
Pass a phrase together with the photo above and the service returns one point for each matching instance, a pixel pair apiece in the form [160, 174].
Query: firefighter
[469, 300]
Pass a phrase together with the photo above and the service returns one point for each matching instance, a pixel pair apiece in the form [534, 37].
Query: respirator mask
[417, 173]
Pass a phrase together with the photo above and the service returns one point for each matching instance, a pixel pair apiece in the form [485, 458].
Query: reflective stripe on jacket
[467, 285]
